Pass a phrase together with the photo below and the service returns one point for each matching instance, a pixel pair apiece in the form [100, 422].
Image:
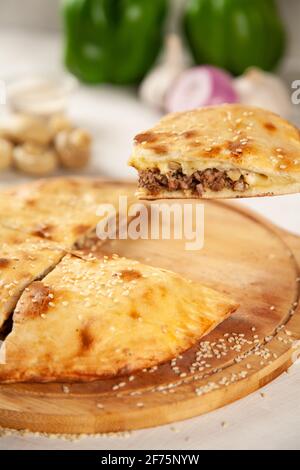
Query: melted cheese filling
[257, 180]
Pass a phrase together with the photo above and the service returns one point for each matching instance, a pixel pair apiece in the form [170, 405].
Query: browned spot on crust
[190, 134]
[34, 301]
[43, 231]
[270, 126]
[148, 295]
[81, 229]
[86, 339]
[235, 148]
[163, 291]
[213, 151]
[159, 149]
[73, 182]
[4, 262]
[129, 275]
[31, 202]
[135, 315]
[98, 184]
[147, 137]
[15, 239]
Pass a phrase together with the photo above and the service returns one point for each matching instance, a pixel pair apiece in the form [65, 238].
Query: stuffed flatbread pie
[92, 319]
[218, 152]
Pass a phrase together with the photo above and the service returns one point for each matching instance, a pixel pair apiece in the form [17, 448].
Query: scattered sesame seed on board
[174, 429]
[7, 432]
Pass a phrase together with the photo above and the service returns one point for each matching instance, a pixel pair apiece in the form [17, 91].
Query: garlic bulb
[156, 84]
[264, 90]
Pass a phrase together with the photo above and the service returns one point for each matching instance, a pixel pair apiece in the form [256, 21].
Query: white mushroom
[73, 148]
[21, 128]
[6, 154]
[34, 159]
[59, 122]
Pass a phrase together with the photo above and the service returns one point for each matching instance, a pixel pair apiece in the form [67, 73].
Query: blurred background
[79, 78]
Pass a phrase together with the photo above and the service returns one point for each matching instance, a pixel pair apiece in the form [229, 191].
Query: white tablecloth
[115, 116]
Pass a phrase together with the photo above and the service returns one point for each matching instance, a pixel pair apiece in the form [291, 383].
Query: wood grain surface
[244, 256]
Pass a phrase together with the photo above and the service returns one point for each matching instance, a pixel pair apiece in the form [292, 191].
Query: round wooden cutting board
[244, 256]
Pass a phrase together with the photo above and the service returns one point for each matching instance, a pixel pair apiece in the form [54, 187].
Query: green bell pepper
[114, 41]
[235, 34]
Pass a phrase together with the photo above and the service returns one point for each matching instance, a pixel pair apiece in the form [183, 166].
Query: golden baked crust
[23, 258]
[62, 210]
[92, 319]
[262, 146]
[41, 221]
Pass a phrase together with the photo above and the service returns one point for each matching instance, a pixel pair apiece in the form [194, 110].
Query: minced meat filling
[197, 182]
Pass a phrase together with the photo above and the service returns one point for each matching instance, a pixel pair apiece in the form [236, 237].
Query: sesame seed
[173, 429]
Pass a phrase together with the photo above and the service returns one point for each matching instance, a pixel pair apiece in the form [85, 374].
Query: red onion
[200, 86]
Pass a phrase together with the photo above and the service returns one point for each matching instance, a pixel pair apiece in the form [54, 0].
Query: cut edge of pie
[223, 151]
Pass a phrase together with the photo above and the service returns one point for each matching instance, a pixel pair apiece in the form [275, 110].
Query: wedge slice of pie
[23, 258]
[92, 319]
[218, 152]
